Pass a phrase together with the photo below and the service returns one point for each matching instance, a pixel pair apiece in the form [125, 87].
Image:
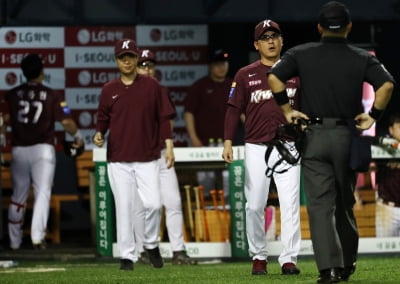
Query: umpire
[331, 73]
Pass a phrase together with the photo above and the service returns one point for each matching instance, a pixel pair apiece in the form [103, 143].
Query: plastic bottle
[220, 142]
[211, 142]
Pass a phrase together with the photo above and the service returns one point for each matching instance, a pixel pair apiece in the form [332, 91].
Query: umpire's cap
[32, 66]
[334, 16]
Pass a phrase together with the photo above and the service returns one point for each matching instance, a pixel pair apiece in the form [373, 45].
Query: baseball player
[205, 104]
[33, 109]
[388, 179]
[136, 112]
[170, 195]
[205, 107]
[251, 95]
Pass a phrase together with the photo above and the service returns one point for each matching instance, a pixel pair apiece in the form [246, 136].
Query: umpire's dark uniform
[331, 74]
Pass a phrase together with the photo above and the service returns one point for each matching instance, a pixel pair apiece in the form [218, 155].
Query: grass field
[370, 269]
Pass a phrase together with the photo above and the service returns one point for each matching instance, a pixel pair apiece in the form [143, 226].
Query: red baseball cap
[264, 26]
[146, 55]
[126, 45]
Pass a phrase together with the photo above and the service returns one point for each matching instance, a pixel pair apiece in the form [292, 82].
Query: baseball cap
[218, 55]
[334, 15]
[146, 55]
[126, 46]
[264, 26]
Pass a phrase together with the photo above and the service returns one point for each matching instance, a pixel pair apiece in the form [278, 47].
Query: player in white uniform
[136, 112]
[250, 94]
[33, 109]
[170, 195]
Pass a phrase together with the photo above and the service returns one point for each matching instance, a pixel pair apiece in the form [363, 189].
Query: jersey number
[26, 108]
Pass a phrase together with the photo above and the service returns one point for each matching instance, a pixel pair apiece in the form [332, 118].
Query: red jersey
[33, 110]
[171, 117]
[137, 116]
[207, 100]
[250, 94]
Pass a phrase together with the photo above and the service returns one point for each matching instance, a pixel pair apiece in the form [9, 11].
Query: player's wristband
[375, 113]
[281, 98]
[78, 135]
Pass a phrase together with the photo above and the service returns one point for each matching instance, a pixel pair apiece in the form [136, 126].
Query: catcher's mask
[289, 153]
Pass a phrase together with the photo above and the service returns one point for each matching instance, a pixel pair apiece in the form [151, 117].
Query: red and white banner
[79, 60]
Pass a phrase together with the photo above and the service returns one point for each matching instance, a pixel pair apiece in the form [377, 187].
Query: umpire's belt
[327, 121]
[388, 203]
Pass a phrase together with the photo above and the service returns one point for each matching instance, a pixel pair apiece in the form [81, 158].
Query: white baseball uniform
[31, 165]
[251, 95]
[171, 200]
[33, 110]
[137, 116]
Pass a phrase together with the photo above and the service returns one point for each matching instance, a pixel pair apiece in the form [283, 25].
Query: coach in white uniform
[135, 111]
[169, 189]
[250, 94]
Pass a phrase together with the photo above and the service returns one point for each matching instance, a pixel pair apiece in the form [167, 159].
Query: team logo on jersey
[259, 96]
[232, 89]
[255, 82]
[65, 107]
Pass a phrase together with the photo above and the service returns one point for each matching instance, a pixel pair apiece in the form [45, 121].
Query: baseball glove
[72, 151]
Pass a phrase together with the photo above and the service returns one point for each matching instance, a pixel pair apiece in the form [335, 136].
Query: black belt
[333, 121]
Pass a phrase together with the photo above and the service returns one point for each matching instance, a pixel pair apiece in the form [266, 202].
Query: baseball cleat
[126, 264]
[181, 258]
[155, 257]
[40, 246]
[259, 267]
[144, 258]
[290, 268]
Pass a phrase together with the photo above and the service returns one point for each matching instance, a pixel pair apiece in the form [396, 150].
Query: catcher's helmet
[289, 154]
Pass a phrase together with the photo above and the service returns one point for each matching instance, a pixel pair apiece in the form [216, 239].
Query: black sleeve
[376, 74]
[286, 67]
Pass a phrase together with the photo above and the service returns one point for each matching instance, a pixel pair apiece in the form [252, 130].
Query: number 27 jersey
[33, 110]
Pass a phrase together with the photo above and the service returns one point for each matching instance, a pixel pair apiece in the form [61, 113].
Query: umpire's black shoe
[331, 275]
[347, 271]
[290, 268]
[155, 257]
[126, 264]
